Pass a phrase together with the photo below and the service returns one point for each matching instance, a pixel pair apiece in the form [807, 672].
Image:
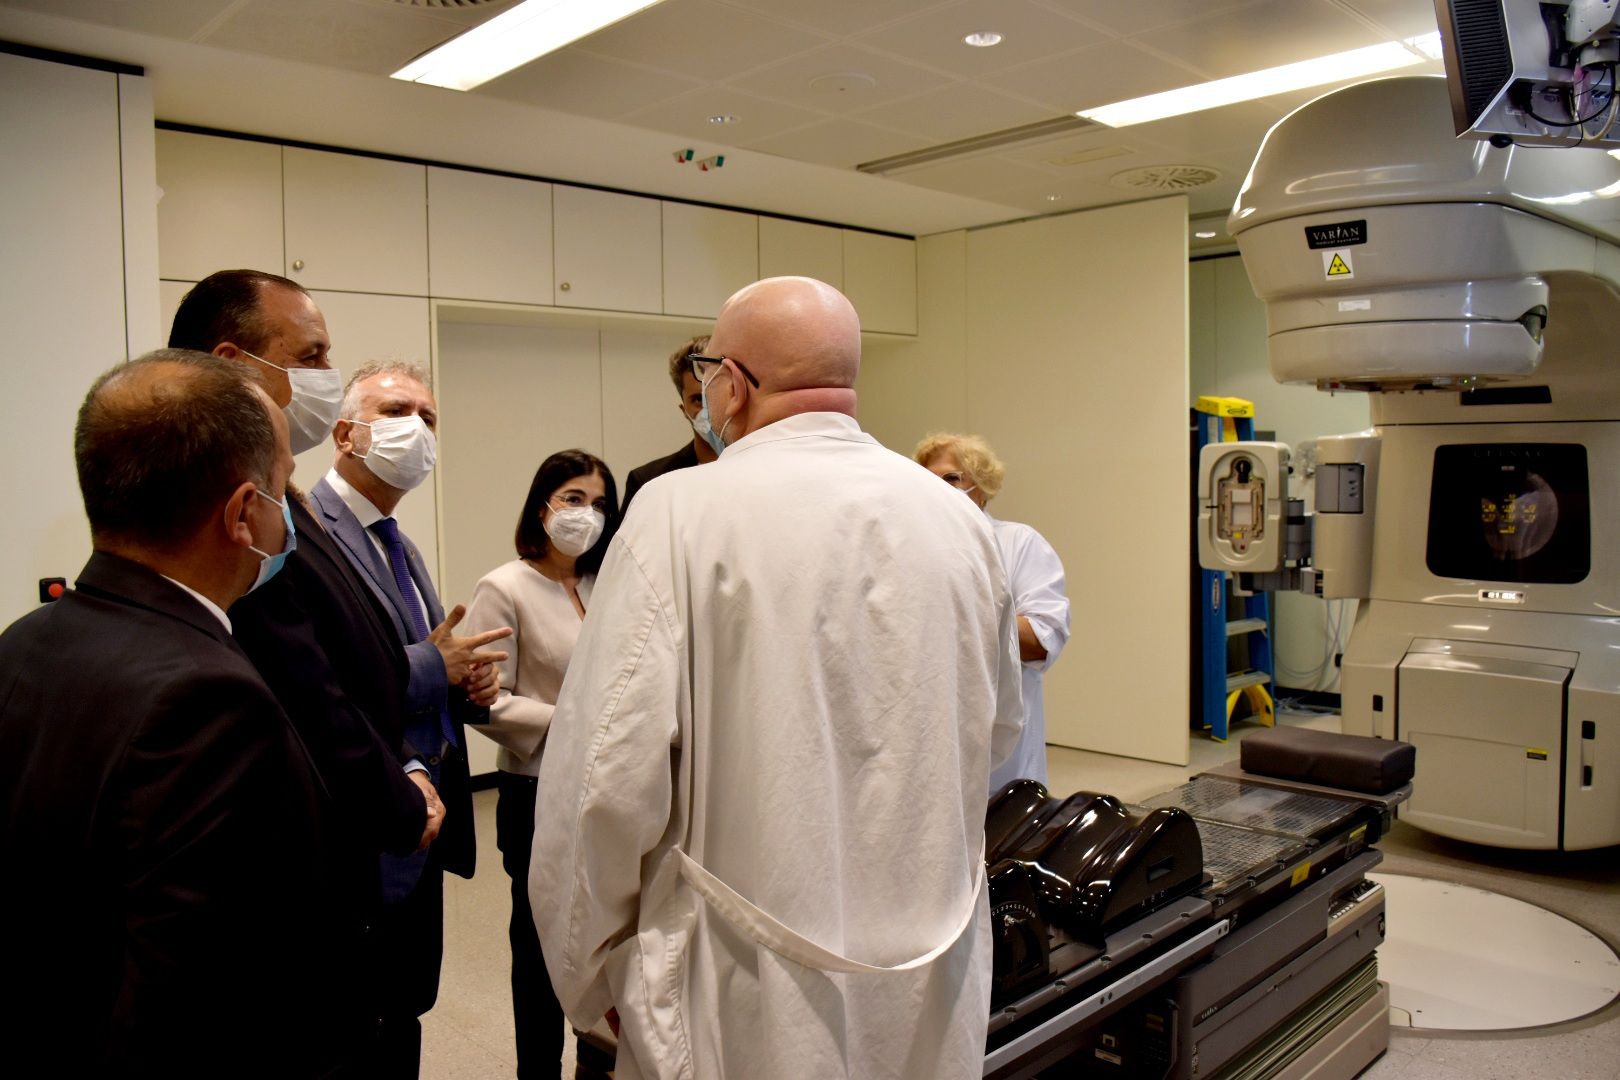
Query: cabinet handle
[564, 287]
[298, 264]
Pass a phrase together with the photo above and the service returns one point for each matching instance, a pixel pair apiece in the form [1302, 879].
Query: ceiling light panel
[1357, 63]
[513, 38]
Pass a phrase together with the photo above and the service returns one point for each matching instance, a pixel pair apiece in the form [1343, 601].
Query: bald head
[162, 441]
[793, 333]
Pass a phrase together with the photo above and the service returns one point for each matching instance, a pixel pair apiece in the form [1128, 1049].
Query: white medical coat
[793, 671]
[1035, 575]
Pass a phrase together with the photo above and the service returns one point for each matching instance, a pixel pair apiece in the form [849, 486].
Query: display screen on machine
[1513, 512]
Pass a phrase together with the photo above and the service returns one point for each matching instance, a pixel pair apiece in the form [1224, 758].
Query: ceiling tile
[688, 114]
[980, 177]
[840, 18]
[1127, 17]
[463, 17]
[1261, 36]
[840, 142]
[1237, 128]
[1095, 76]
[700, 38]
[1029, 33]
[357, 37]
[1090, 156]
[1070, 195]
[572, 81]
[957, 111]
[165, 18]
[790, 80]
[1402, 18]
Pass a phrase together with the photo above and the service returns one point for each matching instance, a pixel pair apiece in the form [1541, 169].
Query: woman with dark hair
[567, 521]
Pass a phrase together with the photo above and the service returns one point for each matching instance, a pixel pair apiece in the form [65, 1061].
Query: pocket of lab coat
[764, 929]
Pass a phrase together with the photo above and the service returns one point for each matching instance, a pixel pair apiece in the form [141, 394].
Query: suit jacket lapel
[362, 553]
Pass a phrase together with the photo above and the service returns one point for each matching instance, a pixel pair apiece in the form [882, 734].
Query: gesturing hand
[461, 654]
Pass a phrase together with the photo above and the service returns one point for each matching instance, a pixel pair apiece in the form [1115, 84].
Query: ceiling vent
[991, 142]
[1166, 179]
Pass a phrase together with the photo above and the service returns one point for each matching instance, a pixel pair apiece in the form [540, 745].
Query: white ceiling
[672, 67]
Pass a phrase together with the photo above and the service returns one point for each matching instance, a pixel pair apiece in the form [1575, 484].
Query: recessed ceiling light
[1053, 198]
[983, 39]
[723, 118]
[1258, 84]
[1206, 234]
[513, 38]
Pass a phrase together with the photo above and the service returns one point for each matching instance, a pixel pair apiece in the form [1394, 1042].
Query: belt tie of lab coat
[764, 929]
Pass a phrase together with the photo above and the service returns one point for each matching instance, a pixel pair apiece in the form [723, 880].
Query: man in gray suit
[386, 446]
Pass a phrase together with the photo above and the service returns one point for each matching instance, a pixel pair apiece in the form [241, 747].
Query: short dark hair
[163, 440]
[561, 467]
[225, 306]
[680, 361]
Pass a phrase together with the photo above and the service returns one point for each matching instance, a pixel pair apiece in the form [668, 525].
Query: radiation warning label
[1337, 265]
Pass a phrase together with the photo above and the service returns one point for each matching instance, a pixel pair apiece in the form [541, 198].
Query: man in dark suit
[696, 452]
[165, 831]
[386, 447]
[325, 643]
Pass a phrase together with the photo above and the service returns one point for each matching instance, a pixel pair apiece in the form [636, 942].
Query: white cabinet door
[708, 255]
[489, 237]
[366, 328]
[219, 206]
[880, 279]
[355, 223]
[608, 250]
[61, 302]
[800, 249]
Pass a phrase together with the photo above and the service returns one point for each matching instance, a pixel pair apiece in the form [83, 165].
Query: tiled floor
[469, 1034]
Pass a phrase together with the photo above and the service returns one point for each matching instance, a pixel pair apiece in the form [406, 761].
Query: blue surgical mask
[703, 426]
[270, 565]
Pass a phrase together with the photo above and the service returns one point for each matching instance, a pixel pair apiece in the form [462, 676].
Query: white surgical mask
[403, 451]
[575, 529]
[317, 395]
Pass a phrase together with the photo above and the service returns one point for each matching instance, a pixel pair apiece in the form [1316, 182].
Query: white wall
[1063, 341]
[66, 171]
[1228, 358]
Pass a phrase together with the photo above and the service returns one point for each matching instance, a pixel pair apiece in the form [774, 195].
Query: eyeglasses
[704, 368]
[575, 499]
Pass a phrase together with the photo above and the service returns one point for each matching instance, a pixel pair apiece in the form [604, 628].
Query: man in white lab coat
[760, 826]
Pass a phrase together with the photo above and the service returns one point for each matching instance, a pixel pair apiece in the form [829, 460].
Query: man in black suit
[165, 831]
[386, 446]
[326, 645]
[696, 452]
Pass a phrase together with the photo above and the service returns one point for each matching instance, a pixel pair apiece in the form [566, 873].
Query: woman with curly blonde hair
[1035, 576]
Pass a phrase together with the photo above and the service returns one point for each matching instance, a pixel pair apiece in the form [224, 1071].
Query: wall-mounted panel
[61, 303]
[708, 255]
[355, 223]
[489, 237]
[800, 249]
[609, 250]
[880, 279]
[1077, 371]
[219, 205]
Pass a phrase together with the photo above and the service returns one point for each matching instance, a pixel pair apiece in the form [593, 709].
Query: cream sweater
[544, 628]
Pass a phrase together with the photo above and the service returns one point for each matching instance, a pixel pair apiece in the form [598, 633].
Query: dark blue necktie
[387, 530]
